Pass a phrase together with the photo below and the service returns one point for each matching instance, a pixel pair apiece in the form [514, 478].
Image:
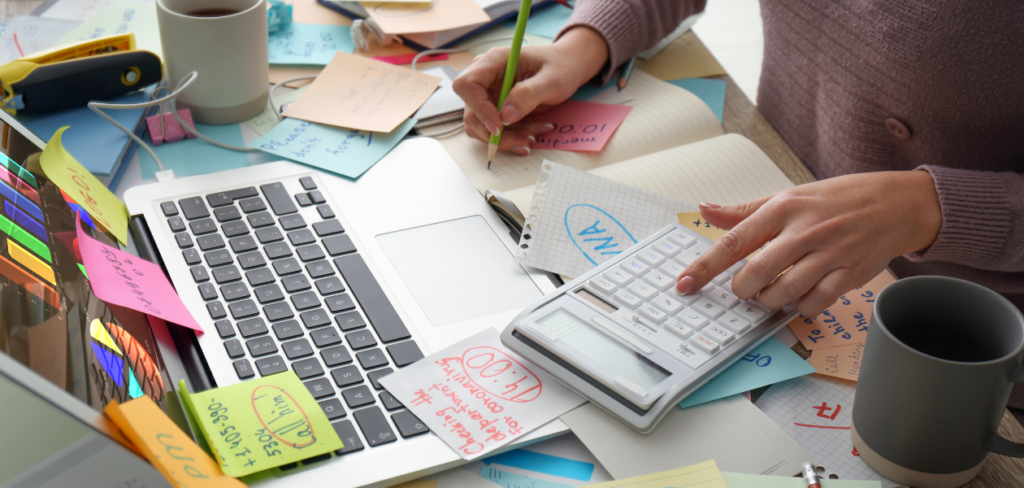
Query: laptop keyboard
[285, 293]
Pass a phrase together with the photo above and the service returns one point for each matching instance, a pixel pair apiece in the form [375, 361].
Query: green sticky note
[120, 17]
[189, 157]
[261, 424]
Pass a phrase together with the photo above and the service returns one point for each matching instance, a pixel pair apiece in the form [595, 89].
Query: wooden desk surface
[742, 117]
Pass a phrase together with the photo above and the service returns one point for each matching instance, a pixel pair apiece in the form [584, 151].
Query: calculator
[621, 336]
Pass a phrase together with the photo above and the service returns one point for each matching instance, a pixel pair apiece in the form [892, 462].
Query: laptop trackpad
[458, 270]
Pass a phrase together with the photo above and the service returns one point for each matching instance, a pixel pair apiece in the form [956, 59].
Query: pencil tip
[492, 149]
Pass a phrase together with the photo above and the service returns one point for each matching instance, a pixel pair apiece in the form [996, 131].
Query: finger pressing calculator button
[618, 276]
[736, 267]
[722, 278]
[734, 322]
[723, 297]
[704, 343]
[720, 333]
[749, 312]
[634, 266]
[707, 307]
[627, 298]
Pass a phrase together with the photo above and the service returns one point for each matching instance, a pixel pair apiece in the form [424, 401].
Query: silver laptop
[342, 281]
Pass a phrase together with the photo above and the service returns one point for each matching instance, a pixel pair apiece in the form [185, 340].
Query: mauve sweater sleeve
[631, 26]
[982, 219]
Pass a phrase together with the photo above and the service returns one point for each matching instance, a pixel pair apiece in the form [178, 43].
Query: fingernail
[544, 129]
[531, 139]
[712, 206]
[686, 284]
[521, 150]
[492, 128]
[509, 114]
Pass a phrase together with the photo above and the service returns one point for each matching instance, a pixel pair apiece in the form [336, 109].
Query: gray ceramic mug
[941, 357]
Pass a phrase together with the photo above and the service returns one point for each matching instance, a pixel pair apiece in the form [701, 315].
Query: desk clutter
[620, 166]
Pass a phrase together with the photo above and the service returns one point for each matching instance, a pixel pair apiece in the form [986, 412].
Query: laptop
[342, 281]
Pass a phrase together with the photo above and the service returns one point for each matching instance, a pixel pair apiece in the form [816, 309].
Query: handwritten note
[261, 424]
[478, 396]
[694, 221]
[846, 321]
[312, 44]
[703, 475]
[68, 174]
[347, 152]
[121, 279]
[512, 480]
[166, 447]
[437, 15]
[120, 17]
[359, 93]
[769, 363]
[841, 362]
[579, 126]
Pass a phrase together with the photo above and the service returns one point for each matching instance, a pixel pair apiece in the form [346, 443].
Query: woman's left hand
[837, 234]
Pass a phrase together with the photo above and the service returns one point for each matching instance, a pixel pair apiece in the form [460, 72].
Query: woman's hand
[545, 76]
[836, 234]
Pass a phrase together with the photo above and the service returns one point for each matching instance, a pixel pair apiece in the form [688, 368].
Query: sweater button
[898, 129]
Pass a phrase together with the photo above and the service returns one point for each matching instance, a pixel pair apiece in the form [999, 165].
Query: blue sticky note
[712, 92]
[309, 44]
[510, 480]
[588, 91]
[195, 156]
[771, 362]
[347, 152]
[543, 463]
[545, 21]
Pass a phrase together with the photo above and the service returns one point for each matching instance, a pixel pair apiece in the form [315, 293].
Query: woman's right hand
[545, 77]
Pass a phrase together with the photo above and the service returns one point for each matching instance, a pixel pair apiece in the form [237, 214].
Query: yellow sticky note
[69, 175]
[841, 362]
[166, 447]
[703, 475]
[695, 222]
[846, 321]
[262, 424]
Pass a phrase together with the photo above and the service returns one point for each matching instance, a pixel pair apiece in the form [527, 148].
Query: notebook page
[726, 170]
[663, 116]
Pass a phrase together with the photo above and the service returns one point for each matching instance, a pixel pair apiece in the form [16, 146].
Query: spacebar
[370, 296]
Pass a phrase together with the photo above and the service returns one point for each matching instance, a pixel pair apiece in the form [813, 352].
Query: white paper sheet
[478, 396]
[24, 36]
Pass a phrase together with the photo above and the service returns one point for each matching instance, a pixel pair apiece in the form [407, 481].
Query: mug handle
[999, 444]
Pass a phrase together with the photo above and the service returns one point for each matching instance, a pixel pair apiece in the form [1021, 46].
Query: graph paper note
[578, 220]
[816, 412]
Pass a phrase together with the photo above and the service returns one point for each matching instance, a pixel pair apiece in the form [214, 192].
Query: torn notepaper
[846, 321]
[841, 362]
[478, 396]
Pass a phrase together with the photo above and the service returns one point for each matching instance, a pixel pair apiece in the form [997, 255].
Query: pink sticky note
[122, 279]
[579, 126]
[407, 58]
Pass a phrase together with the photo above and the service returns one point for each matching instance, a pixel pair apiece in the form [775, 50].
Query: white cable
[273, 106]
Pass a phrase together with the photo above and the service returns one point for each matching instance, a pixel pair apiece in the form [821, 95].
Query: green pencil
[510, 73]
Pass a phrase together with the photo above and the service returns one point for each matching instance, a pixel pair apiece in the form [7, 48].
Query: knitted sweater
[876, 85]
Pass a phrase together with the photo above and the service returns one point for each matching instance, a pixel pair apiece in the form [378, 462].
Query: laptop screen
[50, 320]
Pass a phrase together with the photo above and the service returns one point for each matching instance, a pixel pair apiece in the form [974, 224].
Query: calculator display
[604, 350]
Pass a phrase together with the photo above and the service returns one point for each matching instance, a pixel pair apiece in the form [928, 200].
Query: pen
[811, 476]
[510, 74]
[627, 69]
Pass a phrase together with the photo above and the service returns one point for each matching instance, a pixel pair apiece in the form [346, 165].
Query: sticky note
[261, 424]
[703, 475]
[359, 93]
[121, 279]
[543, 463]
[769, 363]
[512, 480]
[120, 17]
[846, 321]
[438, 15]
[266, 119]
[545, 21]
[711, 92]
[309, 44]
[189, 157]
[165, 446]
[65, 172]
[347, 152]
[841, 362]
[579, 126]
[696, 223]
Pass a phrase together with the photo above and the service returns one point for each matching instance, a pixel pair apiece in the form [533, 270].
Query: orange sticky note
[846, 321]
[166, 447]
[579, 126]
[842, 362]
[354, 92]
[437, 15]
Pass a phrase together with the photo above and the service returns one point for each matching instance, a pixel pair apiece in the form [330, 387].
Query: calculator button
[653, 313]
[704, 343]
[687, 299]
[734, 322]
[690, 255]
[627, 298]
[693, 319]
[720, 333]
[618, 276]
[643, 290]
[676, 327]
[660, 280]
[749, 311]
[634, 266]
[651, 257]
[666, 247]
[673, 269]
[736, 267]
[721, 279]
[667, 304]
[724, 297]
[707, 289]
[602, 285]
[682, 239]
[707, 307]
